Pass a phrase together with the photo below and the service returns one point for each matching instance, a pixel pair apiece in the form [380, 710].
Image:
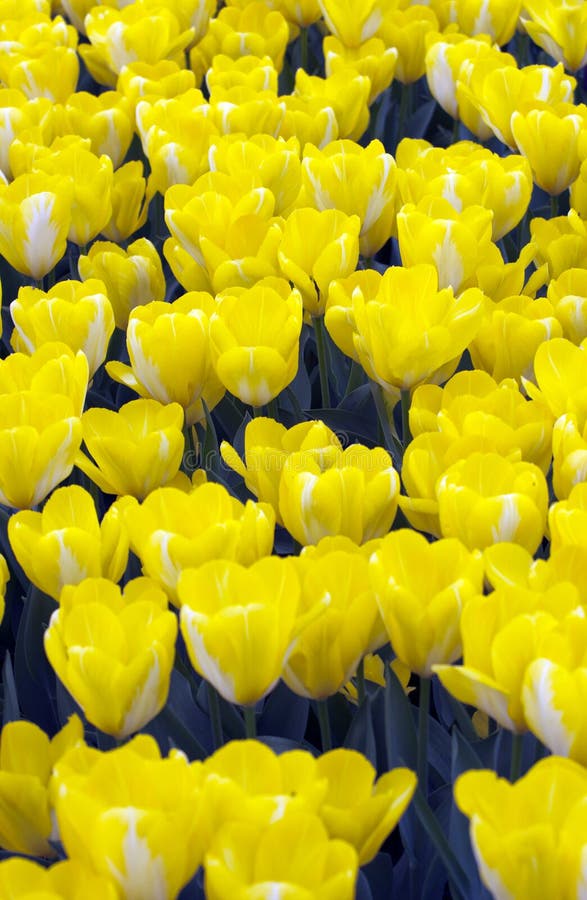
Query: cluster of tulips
[293, 449]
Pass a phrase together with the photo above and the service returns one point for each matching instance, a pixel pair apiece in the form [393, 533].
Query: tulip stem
[423, 714]
[304, 49]
[322, 360]
[516, 758]
[443, 848]
[250, 722]
[361, 693]
[214, 712]
[405, 403]
[324, 720]
[553, 206]
[273, 409]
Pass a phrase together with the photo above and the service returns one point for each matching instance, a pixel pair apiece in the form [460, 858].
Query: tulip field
[293, 450]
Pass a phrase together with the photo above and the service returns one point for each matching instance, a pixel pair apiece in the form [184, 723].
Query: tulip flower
[253, 30]
[161, 79]
[496, 18]
[120, 813]
[170, 354]
[66, 880]
[371, 58]
[357, 808]
[173, 530]
[254, 339]
[529, 835]
[411, 330]
[329, 649]
[408, 29]
[457, 244]
[558, 29]
[469, 87]
[351, 492]
[129, 207]
[352, 112]
[240, 624]
[560, 370]
[246, 781]
[66, 543]
[39, 439]
[355, 23]
[554, 685]
[106, 120]
[245, 858]
[310, 120]
[133, 277]
[339, 317]
[560, 244]
[421, 590]
[445, 56]
[226, 225]
[143, 432]
[136, 32]
[298, 13]
[35, 218]
[472, 403]
[267, 447]
[114, 651]
[77, 313]
[567, 519]
[559, 128]
[41, 70]
[19, 114]
[510, 335]
[357, 181]
[486, 498]
[568, 295]
[569, 447]
[53, 368]
[333, 252]
[502, 634]
[499, 92]
[27, 757]
[255, 72]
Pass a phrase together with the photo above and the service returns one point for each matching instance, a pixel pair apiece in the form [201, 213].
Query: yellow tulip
[410, 330]
[135, 450]
[338, 317]
[560, 244]
[173, 530]
[502, 634]
[169, 350]
[568, 295]
[496, 18]
[42, 70]
[161, 79]
[247, 860]
[356, 180]
[256, 72]
[121, 812]
[558, 128]
[77, 313]
[66, 543]
[106, 120]
[346, 91]
[333, 252]
[66, 880]
[560, 370]
[53, 368]
[35, 218]
[39, 439]
[129, 206]
[486, 498]
[422, 590]
[240, 624]
[114, 651]
[446, 55]
[27, 757]
[133, 277]
[310, 120]
[408, 29]
[353, 23]
[19, 114]
[371, 58]
[254, 339]
[357, 808]
[559, 29]
[567, 519]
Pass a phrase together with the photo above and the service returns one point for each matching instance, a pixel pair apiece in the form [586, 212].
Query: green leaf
[10, 707]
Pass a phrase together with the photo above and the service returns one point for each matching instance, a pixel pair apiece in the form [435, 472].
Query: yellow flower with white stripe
[35, 218]
[353, 23]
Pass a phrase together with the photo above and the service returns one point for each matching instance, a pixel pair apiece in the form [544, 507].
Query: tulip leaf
[363, 889]
[400, 728]
[33, 674]
[361, 735]
[380, 875]
[10, 707]
[419, 122]
[285, 714]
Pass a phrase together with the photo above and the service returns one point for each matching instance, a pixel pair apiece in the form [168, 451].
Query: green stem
[405, 402]
[456, 127]
[304, 49]
[322, 360]
[553, 206]
[250, 722]
[361, 693]
[516, 759]
[273, 409]
[437, 836]
[404, 106]
[423, 714]
[356, 378]
[214, 712]
[324, 720]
